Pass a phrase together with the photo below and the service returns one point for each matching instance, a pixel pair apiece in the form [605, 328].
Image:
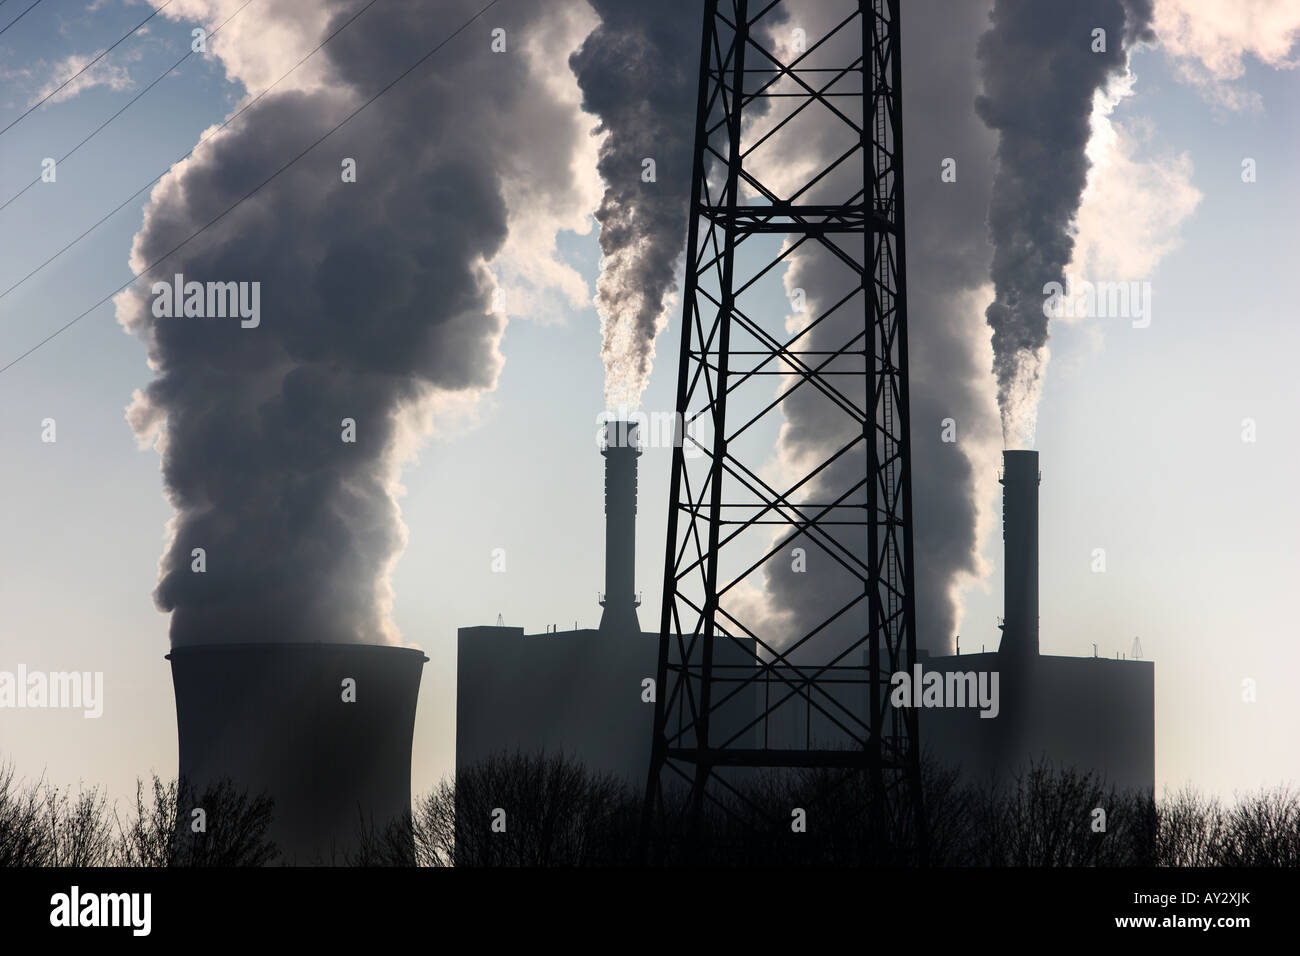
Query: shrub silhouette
[559, 813]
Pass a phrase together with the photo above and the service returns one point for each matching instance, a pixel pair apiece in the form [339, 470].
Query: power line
[126, 202]
[100, 56]
[133, 101]
[252, 192]
[19, 17]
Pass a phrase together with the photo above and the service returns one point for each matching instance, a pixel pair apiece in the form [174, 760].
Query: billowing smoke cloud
[639, 74]
[1042, 65]
[375, 297]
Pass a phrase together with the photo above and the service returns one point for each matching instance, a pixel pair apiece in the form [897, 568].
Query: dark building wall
[577, 692]
[832, 715]
[580, 692]
[272, 718]
[1089, 714]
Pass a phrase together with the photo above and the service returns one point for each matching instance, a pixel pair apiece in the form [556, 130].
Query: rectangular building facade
[581, 693]
[578, 692]
[1089, 714]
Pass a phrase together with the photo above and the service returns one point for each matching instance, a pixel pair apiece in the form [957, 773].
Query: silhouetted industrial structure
[1088, 714]
[582, 692]
[712, 697]
[721, 510]
[1084, 713]
[1020, 478]
[324, 730]
[620, 599]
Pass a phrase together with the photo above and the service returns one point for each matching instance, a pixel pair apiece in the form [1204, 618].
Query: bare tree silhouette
[542, 810]
[24, 838]
[1060, 817]
[1262, 829]
[1190, 830]
[162, 830]
[79, 828]
[549, 810]
[513, 810]
[43, 825]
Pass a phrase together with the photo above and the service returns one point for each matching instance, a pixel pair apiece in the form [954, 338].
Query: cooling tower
[620, 600]
[1020, 479]
[324, 729]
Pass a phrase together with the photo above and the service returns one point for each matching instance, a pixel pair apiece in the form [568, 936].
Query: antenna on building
[959, 645]
[501, 621]
[1094, 650]
[1137, 649]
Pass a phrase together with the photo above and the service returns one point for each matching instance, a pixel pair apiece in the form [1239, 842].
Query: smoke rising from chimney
[639, 72]
[376, 303]
[1042, 64]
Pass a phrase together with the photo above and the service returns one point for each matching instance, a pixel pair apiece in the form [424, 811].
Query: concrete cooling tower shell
[274, 718]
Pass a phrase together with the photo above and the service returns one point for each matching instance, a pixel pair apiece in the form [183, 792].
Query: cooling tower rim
[245, 647]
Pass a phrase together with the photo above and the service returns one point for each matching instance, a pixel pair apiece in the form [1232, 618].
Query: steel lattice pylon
[733, 693]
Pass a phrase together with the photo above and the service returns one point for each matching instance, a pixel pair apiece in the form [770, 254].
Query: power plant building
[581, 692]
[1087, 714]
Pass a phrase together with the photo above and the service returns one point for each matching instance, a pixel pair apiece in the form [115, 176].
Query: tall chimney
[1020, 479]
[620, 600]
